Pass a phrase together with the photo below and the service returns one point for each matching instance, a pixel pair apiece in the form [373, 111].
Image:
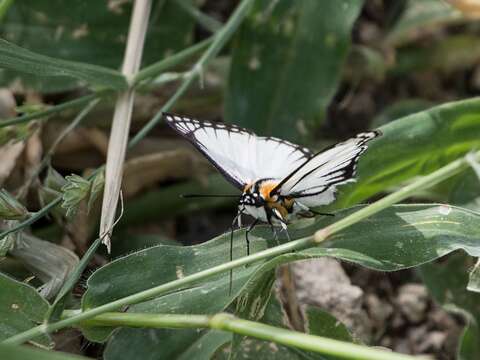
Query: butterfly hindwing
[314, 182]
[240, 155]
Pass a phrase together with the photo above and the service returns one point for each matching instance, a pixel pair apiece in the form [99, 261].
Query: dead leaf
[144, 171]
[469, 8]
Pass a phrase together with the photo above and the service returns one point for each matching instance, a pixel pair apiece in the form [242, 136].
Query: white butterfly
[279, 180]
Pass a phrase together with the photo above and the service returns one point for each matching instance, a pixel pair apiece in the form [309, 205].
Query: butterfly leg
[320, 213]
[250, 228]
[235, 219]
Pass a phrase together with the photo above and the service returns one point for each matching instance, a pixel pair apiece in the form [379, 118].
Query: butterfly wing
[314, 182]
[240, 155]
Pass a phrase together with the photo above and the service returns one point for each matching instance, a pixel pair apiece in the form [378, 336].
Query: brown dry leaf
[33, 152]
[144, 171]
[9, 153]
[469, 8]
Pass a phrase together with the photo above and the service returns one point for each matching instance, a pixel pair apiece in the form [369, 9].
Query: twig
[52, 110]
[443, 173]
[209, 23]
[122, 117]
[47, 158]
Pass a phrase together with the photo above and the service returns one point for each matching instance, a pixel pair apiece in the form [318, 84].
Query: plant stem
[146, 320]
[344, 350]
[4, 6]
[220, 39]
[209, 23]
[42, 212]
[53, 110]
[117, 145]
[178, 58]
[227, 322]
[46, 159]
[159, 290]
[422, 183]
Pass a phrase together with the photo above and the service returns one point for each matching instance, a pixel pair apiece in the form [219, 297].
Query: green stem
[53, 110]
[47, 158]
[220, 39]
[4, 6]
[230, 323]
[178, 58]
[142, 320]
[209, 23]
[422, 183]
[43, 211]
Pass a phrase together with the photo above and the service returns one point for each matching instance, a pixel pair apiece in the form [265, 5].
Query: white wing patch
[314, 182]
[240, 155]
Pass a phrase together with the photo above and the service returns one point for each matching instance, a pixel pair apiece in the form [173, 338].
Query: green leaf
[421, 16]
[414, 145]
[21, 308]
[28, 353]
[287, 62]
[55, 311]
[399, 237]
[321, 323]
[93, 32]
[161, 264]
[21, 60]
[152, 344]
[447, 283]
[49, 262]
[76, 189]
[11, 208]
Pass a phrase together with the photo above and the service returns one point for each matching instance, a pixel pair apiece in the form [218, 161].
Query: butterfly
[279, 180]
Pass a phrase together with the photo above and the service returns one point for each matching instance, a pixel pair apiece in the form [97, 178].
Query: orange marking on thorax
[266, 188]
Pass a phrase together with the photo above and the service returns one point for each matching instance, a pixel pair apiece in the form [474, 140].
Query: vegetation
[85, 160]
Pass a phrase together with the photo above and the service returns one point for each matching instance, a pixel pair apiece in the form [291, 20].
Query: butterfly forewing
[313, 183]
[240, 155]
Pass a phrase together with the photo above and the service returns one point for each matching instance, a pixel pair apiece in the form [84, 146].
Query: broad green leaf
[321, 323]
[399, 237]
[21, 60]
[153, 344]
[11, 352]
[469, 347]
[93, 32]
[400, 109]
[414, 145]
[451, 54]
[164, 263]
[447, 283]
[287, 62]
[21, 308]
[422, 15]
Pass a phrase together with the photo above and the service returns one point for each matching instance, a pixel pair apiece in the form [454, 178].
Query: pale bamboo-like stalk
[122, 116]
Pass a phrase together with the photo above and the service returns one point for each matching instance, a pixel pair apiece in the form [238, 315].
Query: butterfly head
[258, 193]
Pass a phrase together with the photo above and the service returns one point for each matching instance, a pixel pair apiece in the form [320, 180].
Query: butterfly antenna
[190, 196]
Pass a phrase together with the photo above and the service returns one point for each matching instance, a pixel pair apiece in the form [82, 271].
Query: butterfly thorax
[259, 201]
